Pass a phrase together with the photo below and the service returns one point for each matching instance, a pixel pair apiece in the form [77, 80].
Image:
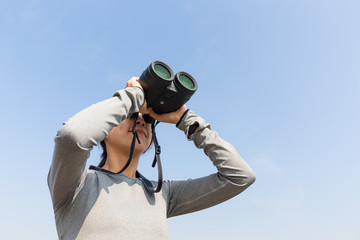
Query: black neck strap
[132, 146]
[156, 161]
[148, 185]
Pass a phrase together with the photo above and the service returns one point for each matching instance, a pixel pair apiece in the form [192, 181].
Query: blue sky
[278, 79]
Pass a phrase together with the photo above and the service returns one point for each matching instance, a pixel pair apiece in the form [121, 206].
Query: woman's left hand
[173, 117]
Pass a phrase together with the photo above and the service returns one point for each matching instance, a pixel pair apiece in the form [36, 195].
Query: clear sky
[278, 79]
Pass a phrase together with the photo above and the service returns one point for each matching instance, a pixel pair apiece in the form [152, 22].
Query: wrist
[182, 116]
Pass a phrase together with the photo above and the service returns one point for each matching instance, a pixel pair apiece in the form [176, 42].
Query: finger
[145, 111]
[155, 115]
[148, 110]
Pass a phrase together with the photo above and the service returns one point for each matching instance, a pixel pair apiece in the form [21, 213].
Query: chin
[140, 148]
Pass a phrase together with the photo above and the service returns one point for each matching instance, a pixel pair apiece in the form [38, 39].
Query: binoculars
[164, 91]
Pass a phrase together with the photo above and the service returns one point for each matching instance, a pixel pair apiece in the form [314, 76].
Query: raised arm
[77, 136]
[233, 173]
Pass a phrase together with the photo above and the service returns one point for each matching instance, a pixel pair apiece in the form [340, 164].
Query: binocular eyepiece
[164, 91]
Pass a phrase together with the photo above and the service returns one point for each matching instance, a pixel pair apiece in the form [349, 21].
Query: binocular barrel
[164, 91]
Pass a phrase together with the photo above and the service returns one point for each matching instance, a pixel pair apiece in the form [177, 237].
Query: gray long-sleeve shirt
[93, 204]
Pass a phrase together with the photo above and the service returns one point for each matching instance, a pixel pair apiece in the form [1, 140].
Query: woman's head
[120, 137]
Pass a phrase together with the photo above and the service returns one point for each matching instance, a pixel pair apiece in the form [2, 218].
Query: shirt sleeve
[78, 135]
[232, 177]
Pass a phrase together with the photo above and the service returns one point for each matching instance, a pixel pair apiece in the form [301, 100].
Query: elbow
[70, 136]
[244, 179]
[65, 135]
[251, 178]
[248, 177]
[241, 182]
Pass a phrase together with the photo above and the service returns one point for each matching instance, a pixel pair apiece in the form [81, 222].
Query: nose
[140, 120]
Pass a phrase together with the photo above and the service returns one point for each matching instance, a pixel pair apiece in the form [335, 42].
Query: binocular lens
[186, 81]
[162, 71]
[164, 91]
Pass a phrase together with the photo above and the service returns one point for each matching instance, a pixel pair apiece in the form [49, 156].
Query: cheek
[119, 134]
[149, 133]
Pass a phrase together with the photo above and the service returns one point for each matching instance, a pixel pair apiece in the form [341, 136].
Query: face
[120, 137]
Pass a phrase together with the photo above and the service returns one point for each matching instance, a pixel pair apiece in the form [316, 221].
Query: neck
[115, 161]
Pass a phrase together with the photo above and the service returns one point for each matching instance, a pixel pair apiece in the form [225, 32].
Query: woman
[99, 203]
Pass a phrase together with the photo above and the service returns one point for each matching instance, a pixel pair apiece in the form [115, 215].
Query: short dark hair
[103, 155]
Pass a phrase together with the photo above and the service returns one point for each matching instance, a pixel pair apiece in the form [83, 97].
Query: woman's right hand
[134, 82]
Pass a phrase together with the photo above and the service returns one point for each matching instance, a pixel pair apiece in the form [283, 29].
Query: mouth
[140, 132]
